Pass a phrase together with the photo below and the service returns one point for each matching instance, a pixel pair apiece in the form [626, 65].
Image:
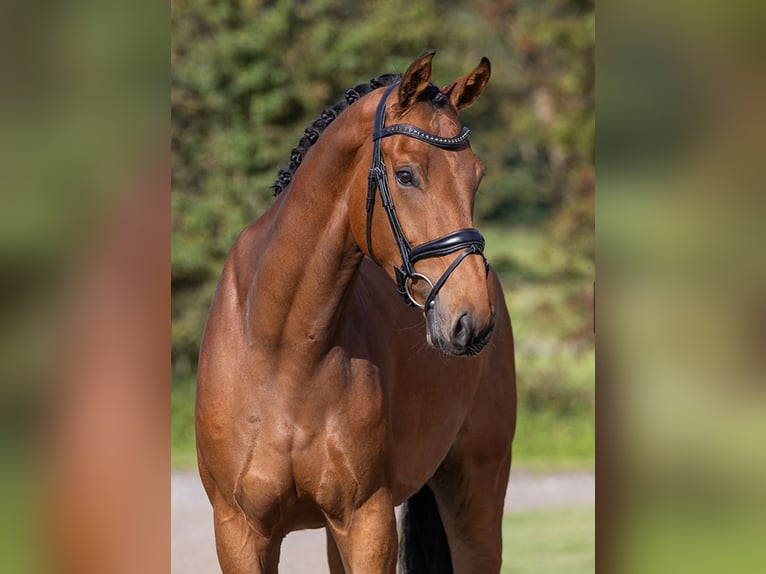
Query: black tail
[423, 548]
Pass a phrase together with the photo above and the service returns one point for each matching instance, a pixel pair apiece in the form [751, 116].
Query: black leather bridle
[469, 239]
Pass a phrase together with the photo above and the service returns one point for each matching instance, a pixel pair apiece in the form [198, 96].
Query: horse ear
[464, 91]
[415, 80]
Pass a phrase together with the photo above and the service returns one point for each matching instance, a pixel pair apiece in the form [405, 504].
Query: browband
[409, 130]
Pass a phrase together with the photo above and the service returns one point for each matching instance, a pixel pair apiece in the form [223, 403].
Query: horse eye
[404, 177]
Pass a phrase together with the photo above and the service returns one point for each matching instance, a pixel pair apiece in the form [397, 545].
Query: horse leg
[366, 536]
[470, 494]
[241, 549]
[333, 555]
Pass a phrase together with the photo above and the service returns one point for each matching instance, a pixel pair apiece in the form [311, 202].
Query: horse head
[423, 178]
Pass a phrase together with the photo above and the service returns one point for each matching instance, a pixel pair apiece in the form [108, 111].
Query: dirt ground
[193, 546]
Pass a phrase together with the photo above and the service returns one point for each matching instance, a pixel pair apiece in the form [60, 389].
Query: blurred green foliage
[249, 76]
[550, 303]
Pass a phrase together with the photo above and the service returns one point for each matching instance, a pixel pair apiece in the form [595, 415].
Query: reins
[469, 239]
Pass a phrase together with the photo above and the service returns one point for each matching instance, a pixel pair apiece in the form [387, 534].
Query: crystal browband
[414, 132]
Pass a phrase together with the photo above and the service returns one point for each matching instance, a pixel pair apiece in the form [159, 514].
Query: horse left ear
[464, 91]
[415, 80]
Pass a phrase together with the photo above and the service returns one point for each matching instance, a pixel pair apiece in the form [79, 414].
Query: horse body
[319, 402]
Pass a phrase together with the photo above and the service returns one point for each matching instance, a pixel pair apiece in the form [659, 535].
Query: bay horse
[322, 399]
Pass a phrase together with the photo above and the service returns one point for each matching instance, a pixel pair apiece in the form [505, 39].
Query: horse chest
[319, 443]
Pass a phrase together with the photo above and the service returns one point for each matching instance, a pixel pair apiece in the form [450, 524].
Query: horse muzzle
[463, 336]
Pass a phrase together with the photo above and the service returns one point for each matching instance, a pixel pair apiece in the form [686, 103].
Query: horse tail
[423, 548]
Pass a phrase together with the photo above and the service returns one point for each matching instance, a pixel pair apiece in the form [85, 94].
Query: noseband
[469, 240]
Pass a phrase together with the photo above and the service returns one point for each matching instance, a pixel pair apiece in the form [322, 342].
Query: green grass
[705, 532]
[551, 441]
[183, 453]
[550, 541]
[22, 480]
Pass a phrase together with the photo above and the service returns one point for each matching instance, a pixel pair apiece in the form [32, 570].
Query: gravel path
[193, 546]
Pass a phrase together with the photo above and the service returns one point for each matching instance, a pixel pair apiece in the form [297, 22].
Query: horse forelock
[311, 134]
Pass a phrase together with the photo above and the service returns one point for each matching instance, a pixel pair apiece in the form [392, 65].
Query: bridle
[469, 239]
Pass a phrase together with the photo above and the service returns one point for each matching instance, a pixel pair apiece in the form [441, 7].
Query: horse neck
[307, 256]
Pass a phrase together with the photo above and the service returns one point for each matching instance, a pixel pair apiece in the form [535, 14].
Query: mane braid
[312, 133]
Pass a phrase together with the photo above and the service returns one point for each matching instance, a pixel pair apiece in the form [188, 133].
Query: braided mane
[312, 133]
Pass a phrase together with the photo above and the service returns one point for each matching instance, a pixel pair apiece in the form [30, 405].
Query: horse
[323, 399]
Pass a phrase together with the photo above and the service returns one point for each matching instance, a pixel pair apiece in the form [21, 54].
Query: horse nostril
[462, 331]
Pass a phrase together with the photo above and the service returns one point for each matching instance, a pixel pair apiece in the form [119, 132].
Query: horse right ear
[464, 91]
[415, 80]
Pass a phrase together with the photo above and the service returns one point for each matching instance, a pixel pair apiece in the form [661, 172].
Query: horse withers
[358, 353]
